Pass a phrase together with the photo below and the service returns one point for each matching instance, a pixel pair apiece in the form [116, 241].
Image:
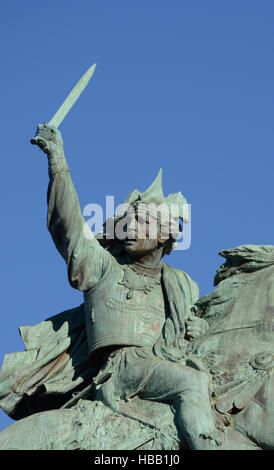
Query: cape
[54, 364]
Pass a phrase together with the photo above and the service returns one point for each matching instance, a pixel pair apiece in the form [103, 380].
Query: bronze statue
[134, 334]
[143, 357]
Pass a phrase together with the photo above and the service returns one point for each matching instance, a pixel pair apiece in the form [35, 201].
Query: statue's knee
[202, 381]
[196, 381]
[203, 377]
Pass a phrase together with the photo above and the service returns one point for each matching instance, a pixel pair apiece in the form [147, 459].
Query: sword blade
[72, 97]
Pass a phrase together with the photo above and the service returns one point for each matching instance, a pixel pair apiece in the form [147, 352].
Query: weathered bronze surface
[142, 363]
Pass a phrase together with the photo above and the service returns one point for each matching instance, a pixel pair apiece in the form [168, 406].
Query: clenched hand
[49, 139]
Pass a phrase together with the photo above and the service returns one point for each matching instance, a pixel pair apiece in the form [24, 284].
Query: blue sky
[182, 85]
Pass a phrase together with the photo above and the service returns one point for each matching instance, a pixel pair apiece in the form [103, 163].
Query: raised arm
[86, 260]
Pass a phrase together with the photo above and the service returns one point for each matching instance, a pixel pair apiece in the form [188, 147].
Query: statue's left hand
[195, 327]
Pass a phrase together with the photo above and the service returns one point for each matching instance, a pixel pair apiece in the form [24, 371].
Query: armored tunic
[118, 316]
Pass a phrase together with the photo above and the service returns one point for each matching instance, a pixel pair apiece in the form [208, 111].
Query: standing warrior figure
[137, 308]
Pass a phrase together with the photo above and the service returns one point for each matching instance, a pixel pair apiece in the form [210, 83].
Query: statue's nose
[132, 224]
[132, 227]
